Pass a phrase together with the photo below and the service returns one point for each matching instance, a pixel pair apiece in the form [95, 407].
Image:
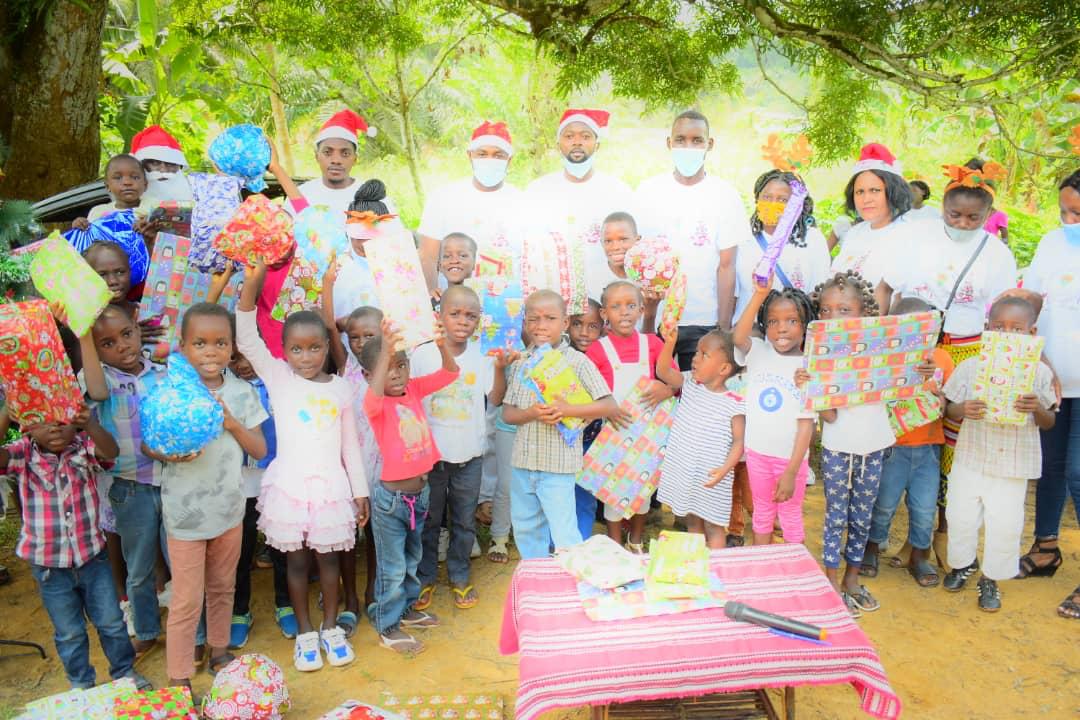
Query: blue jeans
[585, 505]
[138, 523]
[851, 487]
[917, 470]
[70, 595]
[455, 486]
[543, 511]
[1060, 470]
[397, 522]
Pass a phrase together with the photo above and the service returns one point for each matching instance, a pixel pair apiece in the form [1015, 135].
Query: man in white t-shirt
[705, 220]
[335, 151]
[575, 200]
[483, 206]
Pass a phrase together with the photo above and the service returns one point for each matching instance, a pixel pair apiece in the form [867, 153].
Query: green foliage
[17, 227]
[1025, 232]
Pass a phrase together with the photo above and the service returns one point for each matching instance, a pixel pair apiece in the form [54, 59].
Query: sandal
[1070, 606]
[851, 605]
[865, 601]
[408, 645]
[419, 619]
[1030, 568]
[498, 552]
[423, 602]
[346, 620]
[636, 548]
[925, 574]
[219, 663]
[466, 597]
[869, 567]
[734, 540]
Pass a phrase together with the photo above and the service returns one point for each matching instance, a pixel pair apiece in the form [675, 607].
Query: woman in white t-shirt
[804, 259]
[1055, 274]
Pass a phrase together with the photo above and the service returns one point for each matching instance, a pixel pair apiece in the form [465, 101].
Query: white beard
[168, 186]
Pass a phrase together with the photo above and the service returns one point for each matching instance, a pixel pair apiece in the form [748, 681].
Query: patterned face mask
[769, 211]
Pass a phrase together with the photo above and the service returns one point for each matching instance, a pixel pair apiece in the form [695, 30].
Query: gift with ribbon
[259, 230]
[34, 369]
[217, 198]
[243, 152]
[62, 276]
[320, 235]
[651, 263]
[116, 227]
[182, 416]
[399, 282]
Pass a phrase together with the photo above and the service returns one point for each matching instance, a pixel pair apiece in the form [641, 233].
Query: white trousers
[976, 500]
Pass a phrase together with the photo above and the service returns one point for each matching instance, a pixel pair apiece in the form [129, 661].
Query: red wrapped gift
[36, 374]
[258, 230]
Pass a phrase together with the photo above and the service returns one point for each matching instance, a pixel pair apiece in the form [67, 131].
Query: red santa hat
[875, 156]
[596, 120]
[154, 143]
[492, 133]
[345, 125]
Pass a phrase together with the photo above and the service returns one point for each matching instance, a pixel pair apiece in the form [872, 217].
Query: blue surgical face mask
[687, 161]
[578, 169]
[1072, 233]
[962, 236]
[489, 172]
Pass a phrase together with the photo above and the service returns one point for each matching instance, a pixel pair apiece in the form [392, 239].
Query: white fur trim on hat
[864, 165]
[495, 140]
[581, 118]
[162, 153]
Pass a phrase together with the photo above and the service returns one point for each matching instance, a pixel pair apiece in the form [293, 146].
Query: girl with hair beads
[315, 492]
[778, 430]
[853, 452]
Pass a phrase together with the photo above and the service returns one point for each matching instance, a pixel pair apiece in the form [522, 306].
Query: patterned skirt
[959, 349]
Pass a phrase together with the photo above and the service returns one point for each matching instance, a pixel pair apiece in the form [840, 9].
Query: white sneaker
[129, 616]
[444, 543]
[165, 595]
[306, 655]
[337, 649]
[476, 552]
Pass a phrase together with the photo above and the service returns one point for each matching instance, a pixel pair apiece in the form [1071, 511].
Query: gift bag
[622, 467]
[602, 562]
[36, 374]
[551, 262]
[251, 687]
[674, 304]
[551, 378]
[217, 198]
[173, 286]
[169, 703]
[320, 235]
[259, 230]
[651, 264]
[244, 152]
[300, 291]
[356, 710]
[116, 227]
[61, 275]
[1007, 365]
[182, 416]
[399, 282]
[173, 216]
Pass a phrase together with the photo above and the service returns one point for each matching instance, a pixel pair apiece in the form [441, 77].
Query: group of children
[332, 429]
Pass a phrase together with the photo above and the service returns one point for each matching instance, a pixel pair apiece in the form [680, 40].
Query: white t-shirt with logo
[1055, 274]
[929, 267]
[456, 413]
[805, 267]
[490, 218]
[699, 221]
[773, 403]
[869, 252]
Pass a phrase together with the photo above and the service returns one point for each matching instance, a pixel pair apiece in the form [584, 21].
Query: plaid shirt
[1009, 451]
[539, 446]
[59, 502]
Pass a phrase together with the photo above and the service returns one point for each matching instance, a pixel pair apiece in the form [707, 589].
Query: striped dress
[699, 442]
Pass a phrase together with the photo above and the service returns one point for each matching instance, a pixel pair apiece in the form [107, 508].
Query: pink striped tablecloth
[567, 660]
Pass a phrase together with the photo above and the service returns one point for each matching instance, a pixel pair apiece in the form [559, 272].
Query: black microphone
[745, 613]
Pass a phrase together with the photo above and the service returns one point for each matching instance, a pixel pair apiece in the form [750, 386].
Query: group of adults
[901, 246]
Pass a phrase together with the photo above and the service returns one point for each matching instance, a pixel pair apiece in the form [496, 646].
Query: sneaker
[239, 631]
[129, 616]
[476, 551]
[989, 595]
[286, 622]
[958, 577]
[306, 655]
[444, 543]
[165, 595]
[337, 649]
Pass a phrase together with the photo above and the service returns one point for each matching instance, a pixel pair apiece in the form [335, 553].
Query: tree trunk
[277, 111]
[542, 111]
[53, 88]
[408, 142]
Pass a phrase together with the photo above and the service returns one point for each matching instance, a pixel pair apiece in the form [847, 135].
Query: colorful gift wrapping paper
[356, 710]
[399, 282]
[173, 216]
[300, 291]
[922, 408]
[652, 264]
[1007, 365]
[182, 416]
[551, 378]
[456, 706]
[260, 229]
[244, 152]
[678, 567]
[116, 227]
[551, 262]
[169, 703]
[217, 198]
[34, 368]
[674, 304]
[502, 309]
[602, 563]
[251, 687]
[622, 467]
[855, 361]
[633, 601]
[173, 286]
[320, 235]
[61, 275]
[792, 211]
[93, 704]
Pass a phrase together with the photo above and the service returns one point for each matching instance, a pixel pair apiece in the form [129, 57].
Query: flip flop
[423, 602]
[462, 601]
[865, 601]
[219, 663]
[925, 574]
[869, 567]
[347, 620]
[423, 620]
[398, 645]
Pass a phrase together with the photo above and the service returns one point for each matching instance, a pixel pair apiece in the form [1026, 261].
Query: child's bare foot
[465, 596]
[401, 642]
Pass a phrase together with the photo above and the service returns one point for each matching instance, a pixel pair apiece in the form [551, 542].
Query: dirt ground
[944, 657]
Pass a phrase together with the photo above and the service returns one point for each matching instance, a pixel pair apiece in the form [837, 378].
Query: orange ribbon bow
[960, 176]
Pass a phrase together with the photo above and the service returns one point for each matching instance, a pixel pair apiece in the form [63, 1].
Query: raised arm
[745, 327]
[105, 444]
[275, 168]
[337, 348]
[390, 340]
[218, 281]
[248, 340]
[664, 364]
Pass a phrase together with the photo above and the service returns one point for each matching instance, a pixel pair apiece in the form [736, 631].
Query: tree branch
[1000, 122]
[765, 76]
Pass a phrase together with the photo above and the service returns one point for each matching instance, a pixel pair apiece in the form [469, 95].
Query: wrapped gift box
[35, 370]
[61, 275]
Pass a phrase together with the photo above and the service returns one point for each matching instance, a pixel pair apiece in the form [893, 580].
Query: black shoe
[956, 579]
[989, 595]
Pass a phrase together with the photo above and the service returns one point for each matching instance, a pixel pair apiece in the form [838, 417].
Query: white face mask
[962, 236]
[687, 161]
[489, 172]
[579, 169]
[167, 186]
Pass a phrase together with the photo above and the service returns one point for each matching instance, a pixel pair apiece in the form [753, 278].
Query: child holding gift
[457, 416]
[394, 406]
[544, 465]
[202, 500]
[618, 234]
[623, 356]
[54, 467]
[698, 469]
[993, 462]
[111, 262]
[315, 492]
[585, 329]
[778, 430]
